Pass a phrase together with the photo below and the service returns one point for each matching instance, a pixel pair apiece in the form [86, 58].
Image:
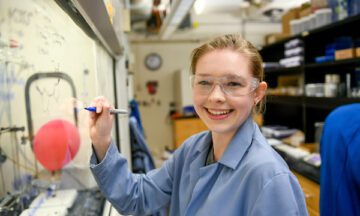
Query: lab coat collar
[236, 148]
[204, 142]
[239, 144]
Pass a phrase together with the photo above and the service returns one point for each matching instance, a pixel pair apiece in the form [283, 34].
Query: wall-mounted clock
[153, 61]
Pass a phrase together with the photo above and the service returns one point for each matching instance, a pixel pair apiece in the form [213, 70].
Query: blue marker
[112, 111]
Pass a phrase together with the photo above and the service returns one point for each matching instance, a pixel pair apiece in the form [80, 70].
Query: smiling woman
[229, 170]
[225, 107]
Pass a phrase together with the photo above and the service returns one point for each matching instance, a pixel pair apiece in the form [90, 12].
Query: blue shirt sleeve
[132, 193]
[280, 196]
[354, 158]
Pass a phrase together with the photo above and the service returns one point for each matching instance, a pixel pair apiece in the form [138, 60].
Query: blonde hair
[238, 44]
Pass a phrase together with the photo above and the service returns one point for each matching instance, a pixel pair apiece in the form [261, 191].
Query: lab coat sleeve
[280, 196]
[132, 193]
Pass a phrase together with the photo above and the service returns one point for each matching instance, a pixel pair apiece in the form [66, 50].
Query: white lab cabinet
[182, 89]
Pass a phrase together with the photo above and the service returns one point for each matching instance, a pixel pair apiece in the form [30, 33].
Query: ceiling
[236, 7]
[252, 18]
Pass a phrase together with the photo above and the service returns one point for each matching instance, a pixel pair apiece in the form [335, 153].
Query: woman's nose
[217, 94]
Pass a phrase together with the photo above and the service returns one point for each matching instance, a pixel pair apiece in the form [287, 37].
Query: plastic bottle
[333, 5]
[342, 9]
[353, 7]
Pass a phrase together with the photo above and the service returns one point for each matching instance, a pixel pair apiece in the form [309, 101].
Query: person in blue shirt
[228, 170]
[340, 162]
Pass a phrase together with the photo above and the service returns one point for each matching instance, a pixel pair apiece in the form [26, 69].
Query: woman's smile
[218, 114]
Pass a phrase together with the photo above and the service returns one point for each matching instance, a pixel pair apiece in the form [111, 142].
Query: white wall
[156, 121]
[122, 98]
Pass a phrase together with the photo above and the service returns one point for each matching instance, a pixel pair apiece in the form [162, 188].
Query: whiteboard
[38, 39]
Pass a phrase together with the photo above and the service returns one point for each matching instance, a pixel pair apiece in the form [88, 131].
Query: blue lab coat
[250, 179]
[142, 161]
[340, 163]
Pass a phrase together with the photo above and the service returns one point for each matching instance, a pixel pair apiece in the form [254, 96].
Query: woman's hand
[100, 126]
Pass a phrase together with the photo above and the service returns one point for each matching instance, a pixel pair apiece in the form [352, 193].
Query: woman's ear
[260, 92]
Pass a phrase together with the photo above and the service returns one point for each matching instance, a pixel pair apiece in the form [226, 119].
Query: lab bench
[309, 180]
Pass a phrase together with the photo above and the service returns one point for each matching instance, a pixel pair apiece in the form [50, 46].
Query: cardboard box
[286, 18]
[272, 38]
[317, 4]
[306, 10]
[289, 80]
[344, 54]
[357, 52]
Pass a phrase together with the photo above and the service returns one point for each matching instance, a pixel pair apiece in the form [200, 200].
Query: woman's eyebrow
[235, 77]
[203, 74]
[228, 76]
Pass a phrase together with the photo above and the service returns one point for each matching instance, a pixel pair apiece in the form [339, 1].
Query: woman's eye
[204, 82]
[234, 84]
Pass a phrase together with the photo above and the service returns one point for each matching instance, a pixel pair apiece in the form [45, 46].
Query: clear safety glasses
[230, 85]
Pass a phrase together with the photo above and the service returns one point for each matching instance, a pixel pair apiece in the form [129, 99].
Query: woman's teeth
[218, 112]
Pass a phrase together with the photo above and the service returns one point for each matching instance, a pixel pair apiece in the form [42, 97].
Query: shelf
[277, 44]
[298, 70]
[311, 102]
[334, 26]
[298, 165]
[96, 16]
[328, 103]
[344, 62]
[283, 99]
[300, 111]
[321, 30]
[281, 71]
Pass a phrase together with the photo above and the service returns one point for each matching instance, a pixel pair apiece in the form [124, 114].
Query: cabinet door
[311, 192]
[184, 128]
